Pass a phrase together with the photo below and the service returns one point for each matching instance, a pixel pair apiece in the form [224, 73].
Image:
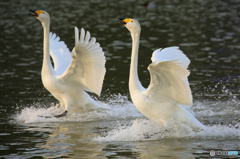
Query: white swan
[169, 91]
[73, 73]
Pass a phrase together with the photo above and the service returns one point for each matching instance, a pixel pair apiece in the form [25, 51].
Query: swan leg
[63, 105]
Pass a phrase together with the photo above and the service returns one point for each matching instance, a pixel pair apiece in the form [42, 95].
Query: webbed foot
[61, 115]
[56, 116]
[44, 116]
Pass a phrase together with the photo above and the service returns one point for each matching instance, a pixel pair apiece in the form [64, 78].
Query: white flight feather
[87, 66]
[167, 83]
[60, 53]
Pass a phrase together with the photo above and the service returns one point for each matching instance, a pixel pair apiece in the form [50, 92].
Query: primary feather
[60, 53]
[88, 64]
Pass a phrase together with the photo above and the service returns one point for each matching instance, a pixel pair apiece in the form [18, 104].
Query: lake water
[207, 31]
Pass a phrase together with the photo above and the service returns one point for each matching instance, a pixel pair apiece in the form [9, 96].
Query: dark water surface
[207, 31]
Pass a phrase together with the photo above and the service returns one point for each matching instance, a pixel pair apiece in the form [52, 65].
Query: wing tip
[82, 30]
[76, 29]
[170, 53]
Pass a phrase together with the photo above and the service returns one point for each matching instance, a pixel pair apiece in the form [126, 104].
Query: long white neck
[47, 67]
[134, 83]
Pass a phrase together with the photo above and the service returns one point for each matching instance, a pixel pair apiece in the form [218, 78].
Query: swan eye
[131, 21]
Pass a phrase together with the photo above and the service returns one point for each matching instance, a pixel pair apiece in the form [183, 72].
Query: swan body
[73, 73]
[168, 94]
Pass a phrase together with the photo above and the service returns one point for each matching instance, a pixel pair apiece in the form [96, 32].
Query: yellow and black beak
[35, 13]
[124, 21]
[121, 20]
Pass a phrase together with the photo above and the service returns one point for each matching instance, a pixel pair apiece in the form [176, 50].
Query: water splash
[144, 129]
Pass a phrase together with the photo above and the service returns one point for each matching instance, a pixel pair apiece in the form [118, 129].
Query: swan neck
[47, 65]
[134, 83]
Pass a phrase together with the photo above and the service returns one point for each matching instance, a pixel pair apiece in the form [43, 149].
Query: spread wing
[60, 53]
[87, 68]
[171, 53]
[168, 77]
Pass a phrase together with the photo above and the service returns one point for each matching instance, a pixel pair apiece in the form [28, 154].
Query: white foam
[132, 126]
[144, 129]
[214, 108]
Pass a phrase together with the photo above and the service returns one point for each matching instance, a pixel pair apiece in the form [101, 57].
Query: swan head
[41, 15]
[131, 24]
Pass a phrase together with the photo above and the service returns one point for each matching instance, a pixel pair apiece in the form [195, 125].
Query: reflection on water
[207, 31]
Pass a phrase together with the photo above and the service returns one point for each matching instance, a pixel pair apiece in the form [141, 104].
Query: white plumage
[60, 53]
[74, 73]
[164, 99]
[87, 67]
